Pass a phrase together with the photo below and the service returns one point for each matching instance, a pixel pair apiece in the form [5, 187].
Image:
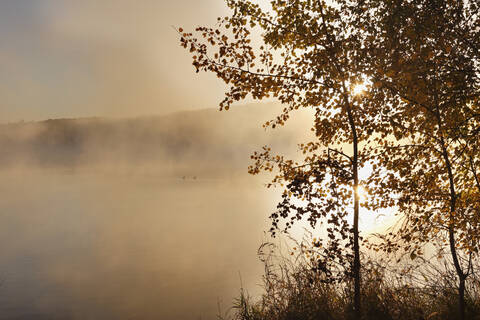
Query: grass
[292, 290]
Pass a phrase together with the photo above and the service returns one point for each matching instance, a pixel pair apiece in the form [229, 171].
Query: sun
[359, 89]
[362, 193]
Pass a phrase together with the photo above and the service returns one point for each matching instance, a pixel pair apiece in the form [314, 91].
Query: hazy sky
[70, 58]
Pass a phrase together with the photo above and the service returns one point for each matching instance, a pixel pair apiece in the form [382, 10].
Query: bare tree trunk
[356, 246]
[461, 297]
[453, 200]
[356, 208]
[451, 229]
[460, 274]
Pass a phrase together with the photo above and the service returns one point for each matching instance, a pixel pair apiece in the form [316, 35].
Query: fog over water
[148, 218]
[104, 246]
[153, 217]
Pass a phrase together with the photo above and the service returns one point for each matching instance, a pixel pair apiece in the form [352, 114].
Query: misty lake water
[98, 245]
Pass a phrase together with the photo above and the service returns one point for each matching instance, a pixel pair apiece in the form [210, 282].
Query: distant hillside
[202, 140]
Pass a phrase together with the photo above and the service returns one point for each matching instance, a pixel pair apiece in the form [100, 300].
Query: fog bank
[147, 218]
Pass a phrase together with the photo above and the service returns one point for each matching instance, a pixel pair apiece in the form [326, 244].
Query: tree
[425, 64]
[419, 118]
[311, 57]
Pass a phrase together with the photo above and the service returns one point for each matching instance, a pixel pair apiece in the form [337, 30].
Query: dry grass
[293, 291]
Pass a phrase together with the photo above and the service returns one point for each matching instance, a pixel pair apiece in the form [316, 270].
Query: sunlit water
[94, 245]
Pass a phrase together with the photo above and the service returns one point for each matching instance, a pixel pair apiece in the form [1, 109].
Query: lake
[99, 244]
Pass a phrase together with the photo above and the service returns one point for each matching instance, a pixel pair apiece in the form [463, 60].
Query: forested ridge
[177, 138]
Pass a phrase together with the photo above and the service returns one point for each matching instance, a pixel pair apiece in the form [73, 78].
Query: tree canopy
[417, 122]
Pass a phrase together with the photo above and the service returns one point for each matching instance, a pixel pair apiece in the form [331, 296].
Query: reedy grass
[410, 290]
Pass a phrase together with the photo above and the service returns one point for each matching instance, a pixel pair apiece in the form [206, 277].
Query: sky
[115, 58]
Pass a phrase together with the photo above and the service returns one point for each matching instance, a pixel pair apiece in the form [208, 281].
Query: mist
[63, 58]
[136, 218]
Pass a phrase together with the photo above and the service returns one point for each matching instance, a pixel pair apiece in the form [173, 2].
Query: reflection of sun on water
[362, 193]
[370, 220]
